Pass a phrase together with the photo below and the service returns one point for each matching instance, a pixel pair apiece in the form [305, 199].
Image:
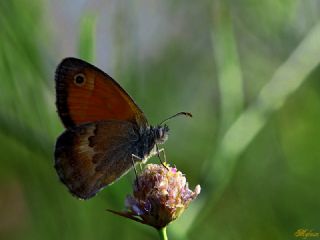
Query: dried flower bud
[160, 195]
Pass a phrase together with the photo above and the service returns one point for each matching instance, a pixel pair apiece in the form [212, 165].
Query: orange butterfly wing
[87, 94]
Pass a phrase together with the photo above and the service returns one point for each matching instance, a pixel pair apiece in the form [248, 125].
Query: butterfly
[106, 132]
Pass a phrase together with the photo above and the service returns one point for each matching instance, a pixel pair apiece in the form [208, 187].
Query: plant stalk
[163, 233]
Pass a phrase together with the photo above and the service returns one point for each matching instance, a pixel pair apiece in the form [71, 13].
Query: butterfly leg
[164, 154]
[158, 151]
[133, 156]
[133, 163]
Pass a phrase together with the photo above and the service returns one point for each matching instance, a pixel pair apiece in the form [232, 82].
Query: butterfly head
[161, 133]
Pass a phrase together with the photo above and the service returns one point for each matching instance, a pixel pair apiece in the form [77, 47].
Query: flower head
[160, 195]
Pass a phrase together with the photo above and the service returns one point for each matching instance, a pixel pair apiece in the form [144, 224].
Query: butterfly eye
[79, 79]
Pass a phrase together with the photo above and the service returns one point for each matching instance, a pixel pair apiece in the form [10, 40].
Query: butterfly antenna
[177, 114]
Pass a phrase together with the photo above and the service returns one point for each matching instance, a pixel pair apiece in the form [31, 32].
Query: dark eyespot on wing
[79, 79]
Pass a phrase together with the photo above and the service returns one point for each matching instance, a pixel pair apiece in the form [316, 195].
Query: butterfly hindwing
[91, 156]
[87, 94]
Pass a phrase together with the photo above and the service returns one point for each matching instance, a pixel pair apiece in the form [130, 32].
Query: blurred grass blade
[32, 140]
[230, 85]
[87, 38]
[288, 77]
[185, 222]
[228, 66]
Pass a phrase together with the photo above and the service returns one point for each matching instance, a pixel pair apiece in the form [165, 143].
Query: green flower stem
[163, 233]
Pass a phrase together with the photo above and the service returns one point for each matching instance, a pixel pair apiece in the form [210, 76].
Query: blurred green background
[246, 69]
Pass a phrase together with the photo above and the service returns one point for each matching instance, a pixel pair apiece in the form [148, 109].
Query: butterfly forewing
[91, 156]
[87, 94]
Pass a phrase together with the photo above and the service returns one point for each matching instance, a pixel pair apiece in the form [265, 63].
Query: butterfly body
[106, 132]
[86, 166]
